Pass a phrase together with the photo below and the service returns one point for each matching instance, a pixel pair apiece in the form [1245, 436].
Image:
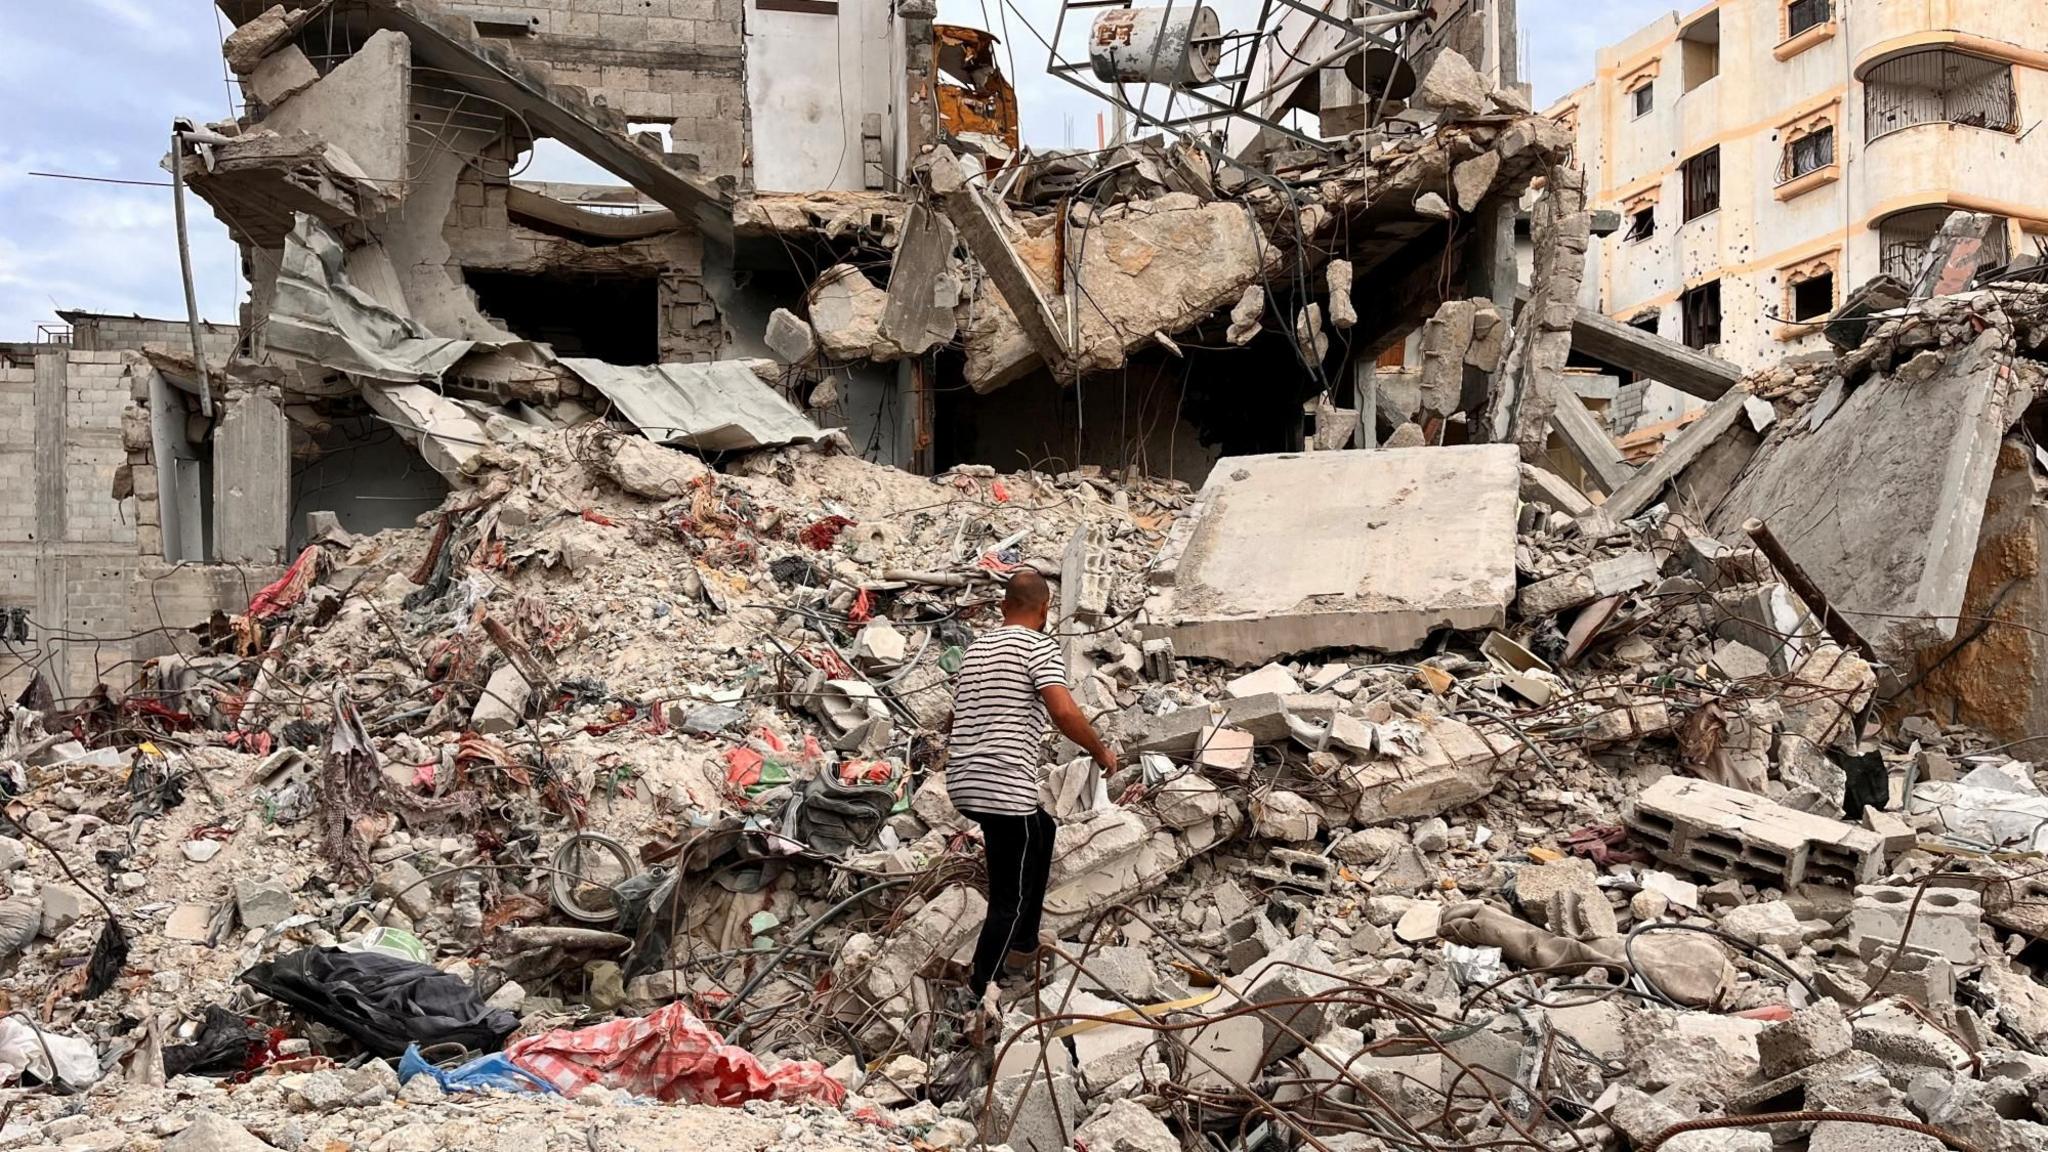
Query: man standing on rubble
[1010, 681]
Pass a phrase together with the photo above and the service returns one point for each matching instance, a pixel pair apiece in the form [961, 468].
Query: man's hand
[1066, 716]
[1105, 756]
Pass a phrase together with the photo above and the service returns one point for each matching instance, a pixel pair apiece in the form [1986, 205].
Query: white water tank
[1175, 45]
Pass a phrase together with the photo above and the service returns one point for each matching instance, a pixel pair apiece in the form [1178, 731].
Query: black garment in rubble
[1019, 855]
[382, 1002]
[223, 1046]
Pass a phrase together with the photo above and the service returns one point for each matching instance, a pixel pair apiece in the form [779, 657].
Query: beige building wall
[1932, 105]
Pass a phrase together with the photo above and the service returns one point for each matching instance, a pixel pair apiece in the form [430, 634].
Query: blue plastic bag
[493, 1071]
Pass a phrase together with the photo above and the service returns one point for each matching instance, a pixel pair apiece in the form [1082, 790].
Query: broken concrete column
[1312, 342]
[1454, 765]
[1245, 314]
[1623, 573]
[1446, 339]
[1343, 314]
[252, 494]
[923, 289]
[1531, 384]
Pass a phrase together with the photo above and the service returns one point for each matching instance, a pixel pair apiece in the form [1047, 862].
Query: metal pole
[185, 265]
[1831, 621]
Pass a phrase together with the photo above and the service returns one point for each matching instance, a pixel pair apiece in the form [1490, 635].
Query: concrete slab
[1882, 504]
[1359, 549]
[363, 107]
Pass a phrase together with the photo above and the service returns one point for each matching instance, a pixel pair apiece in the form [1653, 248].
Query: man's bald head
[1025, 599]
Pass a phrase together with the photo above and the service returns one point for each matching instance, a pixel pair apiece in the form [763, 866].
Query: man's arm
[1066, 715]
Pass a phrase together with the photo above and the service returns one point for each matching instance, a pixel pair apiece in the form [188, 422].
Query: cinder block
[1298, 970]
[1945, 921]
[1726, 832]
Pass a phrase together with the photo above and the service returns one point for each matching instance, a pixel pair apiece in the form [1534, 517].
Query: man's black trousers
[1019, 850]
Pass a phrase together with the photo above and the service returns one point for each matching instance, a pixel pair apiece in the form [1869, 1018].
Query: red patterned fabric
[671, 1056]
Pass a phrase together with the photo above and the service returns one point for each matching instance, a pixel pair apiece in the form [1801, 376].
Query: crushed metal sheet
[716, 407]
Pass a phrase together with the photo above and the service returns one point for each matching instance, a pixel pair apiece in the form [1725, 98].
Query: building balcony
[1953, 164]
[1875, 28]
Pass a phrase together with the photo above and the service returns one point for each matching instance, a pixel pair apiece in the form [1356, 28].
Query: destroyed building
[495, 694]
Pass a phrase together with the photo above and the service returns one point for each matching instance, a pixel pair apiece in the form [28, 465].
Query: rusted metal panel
[981, 100]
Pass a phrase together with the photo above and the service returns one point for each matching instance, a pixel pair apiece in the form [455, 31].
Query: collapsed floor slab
[1882, 504]
[1379, 548]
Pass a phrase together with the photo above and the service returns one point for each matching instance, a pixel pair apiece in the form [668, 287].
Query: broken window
[611, 317]
[1703, 183]
[1700, 50]
[1643, 99]
[1702, 306]
[1801, 15]
[1903, 240]
[1642, 223]
[1646, 321]
[1938, 86]
[1809, 153]
[1814, 297]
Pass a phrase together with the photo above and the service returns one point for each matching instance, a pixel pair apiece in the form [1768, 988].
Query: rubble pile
[1684, 803]
[618, 752]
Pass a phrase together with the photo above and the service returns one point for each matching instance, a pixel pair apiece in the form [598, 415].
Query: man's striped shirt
[999, 721]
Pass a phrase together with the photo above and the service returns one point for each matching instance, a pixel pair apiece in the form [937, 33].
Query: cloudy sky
[89, 88]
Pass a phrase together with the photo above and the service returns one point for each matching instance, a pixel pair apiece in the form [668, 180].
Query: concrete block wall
[70, 552]
[674, 62]
[1627, 410]
[91, 332]
[480, 234]
[95, 394]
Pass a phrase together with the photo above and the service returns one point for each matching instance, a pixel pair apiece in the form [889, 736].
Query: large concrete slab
[1362, 549]
[364, 108]
[1882, 504]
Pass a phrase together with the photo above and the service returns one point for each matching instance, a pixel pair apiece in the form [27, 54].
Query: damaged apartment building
[806, 232]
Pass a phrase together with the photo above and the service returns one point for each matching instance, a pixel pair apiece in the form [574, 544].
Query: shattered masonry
[494, 695]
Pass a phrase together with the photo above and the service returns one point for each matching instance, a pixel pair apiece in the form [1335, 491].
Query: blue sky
[89, 88]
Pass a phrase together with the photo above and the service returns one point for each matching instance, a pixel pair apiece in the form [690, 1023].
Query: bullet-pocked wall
[1769, 156]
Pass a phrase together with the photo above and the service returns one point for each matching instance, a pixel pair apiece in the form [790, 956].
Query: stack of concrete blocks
[1726, 832]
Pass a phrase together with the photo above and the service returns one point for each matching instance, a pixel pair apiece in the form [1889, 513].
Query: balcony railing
[1903, 245]
[1810, 153]
[1938, 86]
